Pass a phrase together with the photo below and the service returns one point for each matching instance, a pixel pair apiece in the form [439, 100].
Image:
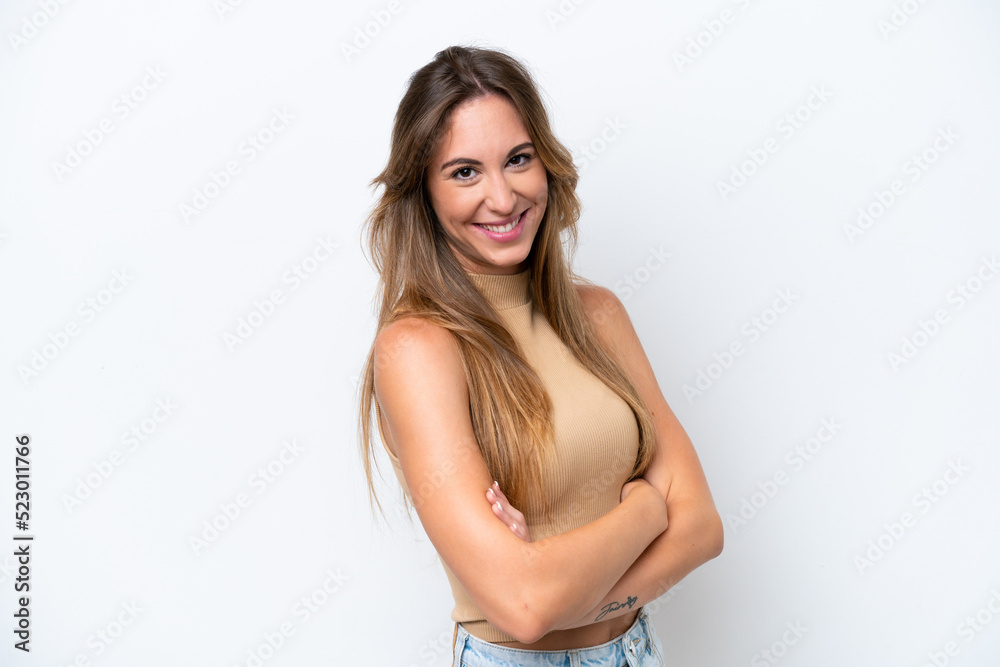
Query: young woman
[520, 413]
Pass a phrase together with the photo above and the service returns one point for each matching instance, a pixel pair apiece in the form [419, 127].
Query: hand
[507, 513]
[640, 485]
[629, 487]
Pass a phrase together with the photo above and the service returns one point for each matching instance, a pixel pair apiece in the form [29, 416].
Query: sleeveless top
[596, 434]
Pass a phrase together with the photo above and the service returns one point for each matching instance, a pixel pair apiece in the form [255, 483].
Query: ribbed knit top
[596, 434]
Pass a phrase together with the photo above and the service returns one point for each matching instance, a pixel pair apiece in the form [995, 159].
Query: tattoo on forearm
[615, 606]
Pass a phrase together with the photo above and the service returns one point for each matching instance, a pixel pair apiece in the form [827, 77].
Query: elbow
[539, 598]
[523, 606]
[529, 632]
[522, 623]
[529, 620]
[714, 535]
[522, 613]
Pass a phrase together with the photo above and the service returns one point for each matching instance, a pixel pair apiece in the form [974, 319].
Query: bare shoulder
[413, 340]
[606, 312]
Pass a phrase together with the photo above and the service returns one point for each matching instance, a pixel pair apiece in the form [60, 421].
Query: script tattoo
[615, 606]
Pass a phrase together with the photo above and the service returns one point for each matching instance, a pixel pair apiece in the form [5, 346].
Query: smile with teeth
[502, 229]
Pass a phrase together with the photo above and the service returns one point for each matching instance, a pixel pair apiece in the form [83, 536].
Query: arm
[422, 390]
[695, 532]
[672, 556]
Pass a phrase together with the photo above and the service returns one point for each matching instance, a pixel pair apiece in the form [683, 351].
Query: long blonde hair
[510, 410]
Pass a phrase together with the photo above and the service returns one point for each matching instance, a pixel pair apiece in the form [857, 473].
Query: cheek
[461, 207]
[541, 189]
[452, 207]
[542, 195]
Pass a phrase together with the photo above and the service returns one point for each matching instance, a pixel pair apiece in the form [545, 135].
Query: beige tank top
[596, 434]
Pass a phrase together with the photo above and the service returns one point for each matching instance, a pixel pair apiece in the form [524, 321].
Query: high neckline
[503, 291]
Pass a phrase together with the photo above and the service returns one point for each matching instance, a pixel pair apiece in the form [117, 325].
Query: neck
[503, 290]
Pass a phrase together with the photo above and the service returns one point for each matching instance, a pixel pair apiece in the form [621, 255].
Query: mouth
[505, 226]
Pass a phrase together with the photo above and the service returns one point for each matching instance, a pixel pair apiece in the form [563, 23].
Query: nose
[500, 195]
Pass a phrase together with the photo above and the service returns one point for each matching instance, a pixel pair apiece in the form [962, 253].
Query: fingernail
[489, 492]
[498, 506]
[496, 484]
[513, 527]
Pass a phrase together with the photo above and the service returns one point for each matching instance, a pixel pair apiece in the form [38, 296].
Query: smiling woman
[468, 195]
[513, 398]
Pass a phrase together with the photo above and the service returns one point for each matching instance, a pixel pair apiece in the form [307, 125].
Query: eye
[526, 159]
[468, 173]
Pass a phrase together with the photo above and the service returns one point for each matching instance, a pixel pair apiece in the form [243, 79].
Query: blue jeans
[638, 647]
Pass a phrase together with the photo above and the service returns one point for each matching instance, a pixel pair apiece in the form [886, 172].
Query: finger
[500, 494]
[513, 528]
[520, 530]
[514, 514]
[498, 510]
[493, 496]
[494, 493]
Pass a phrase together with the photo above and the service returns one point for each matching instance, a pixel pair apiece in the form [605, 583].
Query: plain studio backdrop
[795, 200]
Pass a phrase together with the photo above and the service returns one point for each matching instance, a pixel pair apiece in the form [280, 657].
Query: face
[485, 176]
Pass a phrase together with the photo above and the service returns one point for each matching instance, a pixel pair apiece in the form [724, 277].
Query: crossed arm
[694, 534]
[665, 527]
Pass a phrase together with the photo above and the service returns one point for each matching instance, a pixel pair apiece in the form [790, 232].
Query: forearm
[598, 553]
[692, 538]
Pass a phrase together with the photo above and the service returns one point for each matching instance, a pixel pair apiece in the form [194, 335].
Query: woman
[514, 399]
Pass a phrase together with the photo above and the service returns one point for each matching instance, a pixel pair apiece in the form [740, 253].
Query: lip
[507, 236]
[505, 221]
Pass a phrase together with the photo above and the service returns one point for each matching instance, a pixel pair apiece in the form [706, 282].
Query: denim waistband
[638, 647]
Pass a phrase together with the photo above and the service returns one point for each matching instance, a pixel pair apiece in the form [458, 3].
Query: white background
[108, 543]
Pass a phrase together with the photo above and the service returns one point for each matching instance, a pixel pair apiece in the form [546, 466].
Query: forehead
[480, 127]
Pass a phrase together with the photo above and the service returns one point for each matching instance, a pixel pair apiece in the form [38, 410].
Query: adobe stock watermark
[796, 458]
[449, 469]
[709, 33]
[669, 591]
[786, 126]
[633, 282]
[87, 311]
[400, 342]
[435, 650]
[294, 277]
[32, 24]
[899, 16]
[751, 330]
[971, 626]
[778, 649]
[924, 500]
[562, 12]
[107, 635]
[248, 150]
[224, 7]
[914, 167]
[131, 439]
[259, 481]
[928, 329]
[302, 611]
[365, 34]
[120, 110]
[595, 147]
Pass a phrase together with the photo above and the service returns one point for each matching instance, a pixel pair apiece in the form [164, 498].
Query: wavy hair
[420, 276]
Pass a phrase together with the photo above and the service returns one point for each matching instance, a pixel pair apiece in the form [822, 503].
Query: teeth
[503, 229]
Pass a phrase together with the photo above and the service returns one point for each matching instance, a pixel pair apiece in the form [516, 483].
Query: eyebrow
[477, 163]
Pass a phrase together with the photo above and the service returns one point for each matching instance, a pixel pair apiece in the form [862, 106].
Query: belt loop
[456, 651]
